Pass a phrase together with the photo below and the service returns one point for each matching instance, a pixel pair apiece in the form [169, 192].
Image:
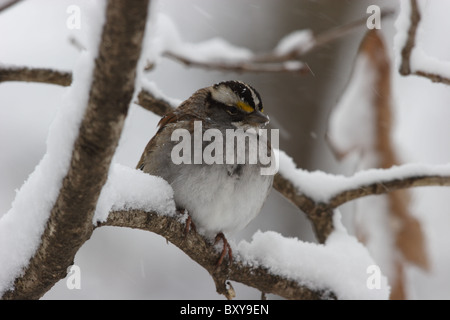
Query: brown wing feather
[169, 118]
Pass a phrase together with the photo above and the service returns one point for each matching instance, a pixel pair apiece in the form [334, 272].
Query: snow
[22, 226]
[298, 41]
[374, 221]
[153, 88]
[424, 107]
[293, 65]
[341, 266]
[430, 54]
[322, 186]
[128, 188]
[352, 132]
[402, 24]
[423, 104]
[420, 61]
[166, 38]
[351, 124]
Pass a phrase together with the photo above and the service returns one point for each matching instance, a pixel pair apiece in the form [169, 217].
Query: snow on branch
[75, 184]
[336, 190]
[86, 196]
[261, 262]
[217, 54]
[318, 193]
[150, 99]
[202, 251]
[271, 263]
[413, 59]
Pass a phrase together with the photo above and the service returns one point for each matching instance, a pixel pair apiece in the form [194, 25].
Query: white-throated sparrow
[223, 196]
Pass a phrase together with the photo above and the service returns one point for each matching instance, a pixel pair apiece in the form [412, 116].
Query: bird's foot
[226, 248]
[189, 223]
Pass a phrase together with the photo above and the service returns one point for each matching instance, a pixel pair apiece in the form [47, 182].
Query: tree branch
[42, 75]
[385, 186]
[320, 214]
[405, 65]
[70, 221]
[8, 4]
[243, 66]
[204, 253]
[266, 62]
[274, 62]
[318, 41]
[156, 105]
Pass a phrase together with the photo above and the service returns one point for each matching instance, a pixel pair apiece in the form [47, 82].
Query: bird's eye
[231, 112]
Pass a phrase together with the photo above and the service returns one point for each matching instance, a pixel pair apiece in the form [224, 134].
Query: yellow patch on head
[244, 106]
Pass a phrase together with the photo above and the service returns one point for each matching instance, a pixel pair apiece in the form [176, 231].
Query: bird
[224, 196]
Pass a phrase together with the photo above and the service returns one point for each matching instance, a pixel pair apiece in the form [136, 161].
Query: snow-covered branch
[217, 54]
[86, 193]
[137, 200]
[319, 209]
[202, 251]
[318, 193]
[242, 66]
[157, 105]
[414, 60]
[84, 163]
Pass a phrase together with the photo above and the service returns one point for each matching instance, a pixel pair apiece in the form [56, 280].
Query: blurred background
[118, 263]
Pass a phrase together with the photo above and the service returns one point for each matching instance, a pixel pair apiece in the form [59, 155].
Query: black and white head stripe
[233, 93]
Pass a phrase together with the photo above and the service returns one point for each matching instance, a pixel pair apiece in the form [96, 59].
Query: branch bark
[385, 186]
[8, 4]
[405, 65]
[286, 66]
[204, 253]
[41, 75]
[319, 40]
[156, 105]
[70, 222]
[320, 214]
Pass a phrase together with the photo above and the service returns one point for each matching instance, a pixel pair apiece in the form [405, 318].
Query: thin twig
[240, 67]
[434, 77]
[156, 105]
[386, 186]
[41, 75]
[405, 65]
[273, 62]
[319, 40]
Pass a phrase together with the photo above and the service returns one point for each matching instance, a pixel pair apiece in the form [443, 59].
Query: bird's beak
[257, 118]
